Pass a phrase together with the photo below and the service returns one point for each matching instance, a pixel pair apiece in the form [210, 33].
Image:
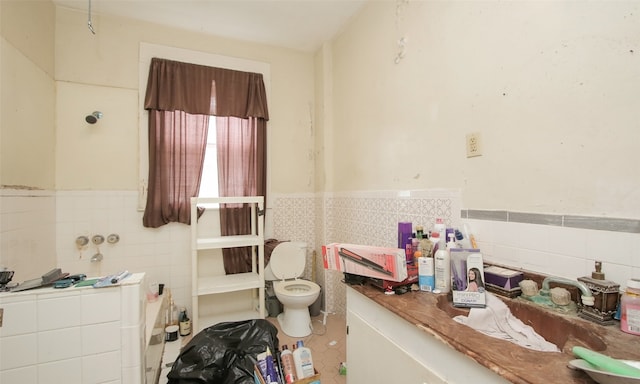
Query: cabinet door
[372, 358]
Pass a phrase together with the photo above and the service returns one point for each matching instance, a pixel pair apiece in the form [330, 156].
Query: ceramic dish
[604, 377]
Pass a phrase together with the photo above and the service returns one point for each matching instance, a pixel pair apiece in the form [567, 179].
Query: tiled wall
[371, 218]
[27, 229]
[44, 225]
[162, 253]
[557, 247]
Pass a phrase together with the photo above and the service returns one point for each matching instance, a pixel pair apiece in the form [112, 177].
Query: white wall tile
[18, 351]
[133, 299]
[59, 344]
[133, 345]
[100, 338]
[19, 316]
[101, 368]
[100, 307]
[25, 375]
[59, 312]
[132, 375]
[63, 371]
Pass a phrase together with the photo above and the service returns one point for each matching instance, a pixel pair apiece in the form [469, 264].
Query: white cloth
[496, 320]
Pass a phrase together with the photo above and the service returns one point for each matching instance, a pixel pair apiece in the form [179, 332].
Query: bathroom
[551, 87]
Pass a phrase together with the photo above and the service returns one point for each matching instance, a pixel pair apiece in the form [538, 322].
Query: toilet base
[295, 322]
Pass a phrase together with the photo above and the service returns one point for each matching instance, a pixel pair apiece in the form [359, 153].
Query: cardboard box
[378, 262]
[467, 292]
[503, 278]
[258, 379]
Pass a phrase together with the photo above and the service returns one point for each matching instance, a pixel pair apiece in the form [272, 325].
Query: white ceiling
[297, 24]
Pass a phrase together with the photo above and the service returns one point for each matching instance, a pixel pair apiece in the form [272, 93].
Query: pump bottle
[442, 267]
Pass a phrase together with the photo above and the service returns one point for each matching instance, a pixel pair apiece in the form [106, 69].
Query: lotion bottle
[442, 267]
[288, 365]
[303, 361]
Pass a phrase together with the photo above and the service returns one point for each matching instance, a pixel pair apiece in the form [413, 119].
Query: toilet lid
[286, 261]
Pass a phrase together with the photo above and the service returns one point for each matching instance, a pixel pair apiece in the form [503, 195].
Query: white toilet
[285, 266]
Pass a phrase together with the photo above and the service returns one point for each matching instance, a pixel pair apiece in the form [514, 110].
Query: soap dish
[604, 377]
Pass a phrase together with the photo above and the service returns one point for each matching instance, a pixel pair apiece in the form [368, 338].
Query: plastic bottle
[288, 365]
[185, 322]
[452, 242]
[440, 228]
[442, 268]
[303, 361]
[426, 279]
[462, 241]
[630, 308]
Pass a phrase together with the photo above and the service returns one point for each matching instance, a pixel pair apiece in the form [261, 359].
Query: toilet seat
[283, 267]
[296, 288]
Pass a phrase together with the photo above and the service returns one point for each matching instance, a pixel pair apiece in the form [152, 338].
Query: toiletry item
[404, 239]
[184, 322]
[471, 237]
[452, 242]
[417, 251]
[462, 241]
[440, 228]
[303, 361]
[630, 308]
[606, 363]
[435, 241]
[272, 374]
[605, 293]
[419, 232]
[426, 278]
[442, 268]
[288, 365]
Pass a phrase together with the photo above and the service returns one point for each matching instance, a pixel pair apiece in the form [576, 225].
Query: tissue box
[503, 278]
[378, 262]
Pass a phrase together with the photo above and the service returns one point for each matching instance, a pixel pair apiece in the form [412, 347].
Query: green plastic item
[606, 363]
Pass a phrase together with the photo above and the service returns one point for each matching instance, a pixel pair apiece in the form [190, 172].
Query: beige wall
[552, 88]
[27, 117]
[100, 72]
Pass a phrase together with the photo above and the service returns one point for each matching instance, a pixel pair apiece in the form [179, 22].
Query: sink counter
[514, 363]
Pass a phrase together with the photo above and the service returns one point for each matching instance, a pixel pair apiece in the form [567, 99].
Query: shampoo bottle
[303, 361]
[288, 365]
[442, 267]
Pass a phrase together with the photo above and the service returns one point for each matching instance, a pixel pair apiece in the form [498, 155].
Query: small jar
[630, 308]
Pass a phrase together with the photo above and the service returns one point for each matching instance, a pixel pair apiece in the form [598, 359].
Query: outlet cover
[474, 145]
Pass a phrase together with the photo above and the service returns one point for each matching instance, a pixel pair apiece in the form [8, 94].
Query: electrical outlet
[474, 147]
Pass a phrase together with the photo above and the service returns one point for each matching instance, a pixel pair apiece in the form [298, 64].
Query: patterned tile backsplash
[368, 218]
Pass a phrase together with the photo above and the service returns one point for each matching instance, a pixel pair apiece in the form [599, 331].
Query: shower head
[94, 117]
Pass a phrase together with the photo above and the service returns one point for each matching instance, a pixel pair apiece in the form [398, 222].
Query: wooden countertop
[515, 363]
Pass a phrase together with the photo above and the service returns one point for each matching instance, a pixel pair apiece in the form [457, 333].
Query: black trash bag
[224, 353]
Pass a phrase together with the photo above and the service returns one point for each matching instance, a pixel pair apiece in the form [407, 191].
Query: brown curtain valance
[187, 87]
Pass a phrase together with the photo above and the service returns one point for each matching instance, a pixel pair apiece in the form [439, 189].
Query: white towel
[496, 320]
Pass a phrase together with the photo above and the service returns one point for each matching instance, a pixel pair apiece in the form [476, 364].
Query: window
[209, 180]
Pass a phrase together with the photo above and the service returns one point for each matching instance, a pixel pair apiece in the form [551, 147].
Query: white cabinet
[218, 297]
[382, 347]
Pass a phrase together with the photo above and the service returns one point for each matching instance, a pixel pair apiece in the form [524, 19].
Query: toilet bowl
[285, 266]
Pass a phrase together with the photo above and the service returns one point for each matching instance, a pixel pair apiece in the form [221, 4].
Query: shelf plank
[228, 283]
[229, 242]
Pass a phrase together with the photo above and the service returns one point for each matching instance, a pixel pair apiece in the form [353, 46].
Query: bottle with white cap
[303, 361]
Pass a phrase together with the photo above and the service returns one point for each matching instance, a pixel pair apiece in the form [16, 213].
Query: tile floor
[328, 344]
